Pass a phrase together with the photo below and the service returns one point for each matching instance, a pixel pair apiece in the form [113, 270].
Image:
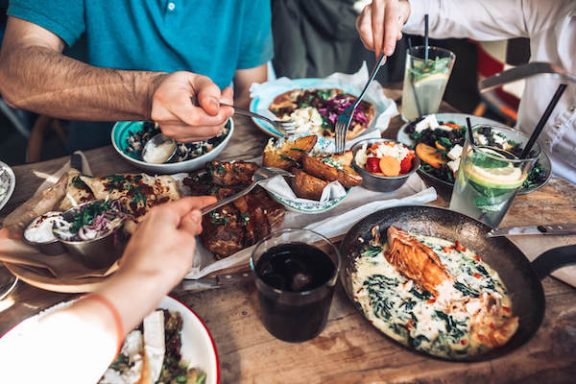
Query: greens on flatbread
[137, 193]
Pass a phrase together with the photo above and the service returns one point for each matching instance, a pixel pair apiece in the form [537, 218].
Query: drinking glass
[489, 178]
[425, 80]
[295, 273]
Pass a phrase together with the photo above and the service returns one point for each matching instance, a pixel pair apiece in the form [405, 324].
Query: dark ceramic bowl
[381, 183]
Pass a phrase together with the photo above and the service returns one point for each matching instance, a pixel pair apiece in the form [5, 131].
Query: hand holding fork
[345, 119]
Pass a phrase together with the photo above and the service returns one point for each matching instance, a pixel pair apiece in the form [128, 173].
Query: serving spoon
[259, 176]
[156, 142]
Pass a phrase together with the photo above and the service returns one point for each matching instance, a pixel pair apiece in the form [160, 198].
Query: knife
[550, 229]
[218, 281]
[522, 72]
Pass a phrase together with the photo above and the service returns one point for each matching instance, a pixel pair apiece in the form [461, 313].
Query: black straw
[469, 126]
[411, 76]
[426, 44]
[543, 120]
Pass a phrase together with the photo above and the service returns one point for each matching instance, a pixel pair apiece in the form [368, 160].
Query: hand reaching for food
[178, 117]
[380, 25]
[157, 257]
[165, 241]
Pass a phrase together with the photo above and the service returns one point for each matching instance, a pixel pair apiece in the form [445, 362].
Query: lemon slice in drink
[500, 178]
[433, 80]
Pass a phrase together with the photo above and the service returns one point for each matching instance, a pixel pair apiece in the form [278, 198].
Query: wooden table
[349, 350]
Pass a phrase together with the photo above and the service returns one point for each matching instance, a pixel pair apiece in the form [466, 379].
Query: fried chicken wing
[415, 260]
[241, 223]
[227, 174]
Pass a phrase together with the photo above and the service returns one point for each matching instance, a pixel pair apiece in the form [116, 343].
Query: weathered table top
[349, 350]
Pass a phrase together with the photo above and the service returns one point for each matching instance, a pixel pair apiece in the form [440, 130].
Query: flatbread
[39, 204]
[137, 193]
[77, 192]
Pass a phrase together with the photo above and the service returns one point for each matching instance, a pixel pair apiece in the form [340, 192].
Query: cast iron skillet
[521, 277]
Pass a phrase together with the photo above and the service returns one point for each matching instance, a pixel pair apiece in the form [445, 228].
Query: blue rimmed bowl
[311, 207]
[124, 129]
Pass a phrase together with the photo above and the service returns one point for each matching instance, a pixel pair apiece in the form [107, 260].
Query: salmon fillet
[415, 260]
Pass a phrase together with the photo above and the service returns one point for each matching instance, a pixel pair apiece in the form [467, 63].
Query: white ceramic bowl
[122, 130]
[307, 206]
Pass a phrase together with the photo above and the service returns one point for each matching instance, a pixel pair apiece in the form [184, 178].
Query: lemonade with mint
[487, 182]
[425, 81]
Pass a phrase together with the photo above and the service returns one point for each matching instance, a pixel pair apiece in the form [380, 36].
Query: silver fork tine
[287, 127]
[260, 175]
[272, 171]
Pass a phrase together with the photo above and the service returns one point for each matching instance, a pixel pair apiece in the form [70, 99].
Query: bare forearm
[243, 80]
[146, 286]
[481, 20]
[44, 81]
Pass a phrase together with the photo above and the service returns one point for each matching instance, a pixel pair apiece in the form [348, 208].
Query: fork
[345, 118]
[259, 176]
[287, 127]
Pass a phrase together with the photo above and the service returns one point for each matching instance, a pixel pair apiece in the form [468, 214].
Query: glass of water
[489, 177]
[425, 80]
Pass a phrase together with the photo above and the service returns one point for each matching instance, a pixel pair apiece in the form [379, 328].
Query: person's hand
[180, 118]
[163, 246]
[380, 25]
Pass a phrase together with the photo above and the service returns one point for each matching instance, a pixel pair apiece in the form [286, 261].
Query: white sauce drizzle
[439, 326]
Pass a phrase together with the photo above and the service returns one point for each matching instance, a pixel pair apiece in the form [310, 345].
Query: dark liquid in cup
[294, 268]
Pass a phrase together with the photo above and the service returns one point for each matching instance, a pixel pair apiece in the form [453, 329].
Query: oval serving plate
[260, 104]
[7, 183]
[310, 208]
[460, 119]
[43, 280]
[198, 346]
[501, 254]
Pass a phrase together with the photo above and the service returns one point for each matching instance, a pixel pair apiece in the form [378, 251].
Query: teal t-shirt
[209, 37]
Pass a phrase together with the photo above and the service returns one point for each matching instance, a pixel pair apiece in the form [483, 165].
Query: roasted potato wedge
[307, 186]
[319, 167]
[332, 168]
[285, 154]
[348, 177]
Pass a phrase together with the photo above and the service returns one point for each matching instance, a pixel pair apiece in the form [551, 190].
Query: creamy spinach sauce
[411, 315]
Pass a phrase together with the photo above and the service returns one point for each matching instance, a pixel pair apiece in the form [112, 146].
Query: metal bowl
[97, 253]
[50, 248]
[381, 183]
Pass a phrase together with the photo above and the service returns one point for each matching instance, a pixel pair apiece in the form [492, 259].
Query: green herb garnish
[87, 214]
